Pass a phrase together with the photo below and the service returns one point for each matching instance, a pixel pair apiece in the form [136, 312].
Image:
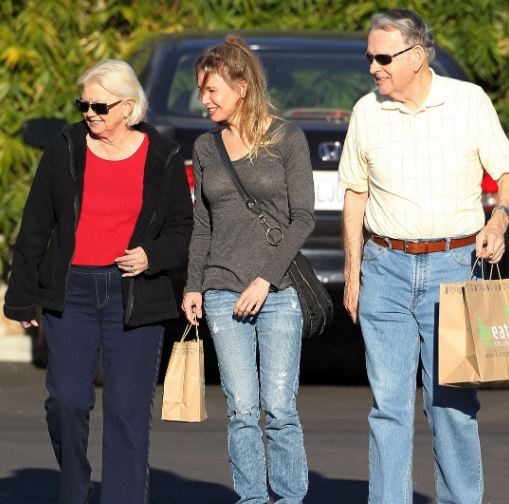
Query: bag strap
[479, 261]
[273, 234]
[249, 200]
[188, 329]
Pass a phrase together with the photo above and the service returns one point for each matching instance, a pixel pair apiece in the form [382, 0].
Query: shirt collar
[436, 97]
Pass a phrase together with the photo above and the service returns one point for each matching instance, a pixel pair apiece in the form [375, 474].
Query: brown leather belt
[422, 246]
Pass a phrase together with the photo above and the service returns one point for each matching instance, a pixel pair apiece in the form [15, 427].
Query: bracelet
[502, 208]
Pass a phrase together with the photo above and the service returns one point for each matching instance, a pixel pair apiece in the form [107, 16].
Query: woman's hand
[133, 263]
[26, 324]
[192, 306]
[252, 299]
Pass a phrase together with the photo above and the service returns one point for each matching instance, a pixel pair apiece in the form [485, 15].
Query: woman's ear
[128, 107]
[242, 88]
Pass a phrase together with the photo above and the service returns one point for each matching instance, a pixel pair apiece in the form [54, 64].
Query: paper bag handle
[482, 269]
[188, 328]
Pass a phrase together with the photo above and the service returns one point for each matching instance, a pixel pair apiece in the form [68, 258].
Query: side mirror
[38, 132]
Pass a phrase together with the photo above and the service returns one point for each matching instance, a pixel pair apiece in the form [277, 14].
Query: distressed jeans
[277, 329]
[398, 313]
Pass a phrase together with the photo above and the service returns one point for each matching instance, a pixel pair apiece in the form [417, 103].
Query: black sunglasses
[98, 108]
[385, 59]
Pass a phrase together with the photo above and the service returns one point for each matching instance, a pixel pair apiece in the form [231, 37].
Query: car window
[183, 94]
[313, 85]
[301, 85]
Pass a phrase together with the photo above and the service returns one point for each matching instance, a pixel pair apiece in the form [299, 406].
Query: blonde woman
[108, 215]
[249, 301]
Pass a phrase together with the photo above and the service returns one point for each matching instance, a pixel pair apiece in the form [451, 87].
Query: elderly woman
[108, 216]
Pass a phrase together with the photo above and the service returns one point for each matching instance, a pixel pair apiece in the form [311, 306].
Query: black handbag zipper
[76, 206]
[311, 290]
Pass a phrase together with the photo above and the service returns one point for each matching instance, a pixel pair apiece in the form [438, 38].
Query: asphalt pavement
[189, 461]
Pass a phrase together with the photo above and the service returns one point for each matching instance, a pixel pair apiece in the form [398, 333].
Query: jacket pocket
[48, 272]
[154, 289]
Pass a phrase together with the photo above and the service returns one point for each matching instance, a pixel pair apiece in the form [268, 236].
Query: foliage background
[46, 44]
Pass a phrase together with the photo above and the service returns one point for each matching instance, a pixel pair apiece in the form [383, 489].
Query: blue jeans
[398, 313]
[277, 328]
[93, 318]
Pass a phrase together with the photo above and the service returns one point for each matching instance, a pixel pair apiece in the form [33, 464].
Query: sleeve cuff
[148, 247]
[22, 314]
[271, 275]
[360, 188]
[191, 288]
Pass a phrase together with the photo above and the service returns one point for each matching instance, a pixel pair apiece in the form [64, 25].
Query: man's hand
[351, 299]
[252, 299]
[490, 242]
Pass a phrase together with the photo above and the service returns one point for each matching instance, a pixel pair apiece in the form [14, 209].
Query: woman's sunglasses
[98, 108]
[385, 59]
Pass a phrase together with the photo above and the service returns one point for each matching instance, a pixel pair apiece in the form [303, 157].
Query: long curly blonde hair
[234, 61]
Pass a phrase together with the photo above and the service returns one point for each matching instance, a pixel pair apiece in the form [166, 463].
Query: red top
[112, 197]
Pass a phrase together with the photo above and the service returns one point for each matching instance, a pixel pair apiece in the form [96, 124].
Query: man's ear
[418, 57]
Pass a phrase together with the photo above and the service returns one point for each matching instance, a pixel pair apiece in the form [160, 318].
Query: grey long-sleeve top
[228, 246]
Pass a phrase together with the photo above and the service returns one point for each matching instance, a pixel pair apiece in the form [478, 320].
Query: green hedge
[45, 45]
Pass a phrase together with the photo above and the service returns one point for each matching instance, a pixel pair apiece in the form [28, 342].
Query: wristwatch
[502, 208]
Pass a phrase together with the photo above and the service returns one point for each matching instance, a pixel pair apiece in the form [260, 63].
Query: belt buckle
[405, 245]
[426, 245]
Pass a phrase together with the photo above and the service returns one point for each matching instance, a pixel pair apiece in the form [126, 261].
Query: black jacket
[46, 242]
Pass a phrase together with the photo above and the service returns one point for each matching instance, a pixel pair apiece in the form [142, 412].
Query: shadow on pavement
[344, 491]
[30, 486]
[40, 486]
[168, 488]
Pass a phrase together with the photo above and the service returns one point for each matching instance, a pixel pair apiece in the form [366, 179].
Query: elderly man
[412, 168]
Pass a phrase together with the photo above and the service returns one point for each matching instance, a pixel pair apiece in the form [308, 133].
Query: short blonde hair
[118, 78]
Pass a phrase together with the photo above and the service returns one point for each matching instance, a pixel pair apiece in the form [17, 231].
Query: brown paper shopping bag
[184, 383]
[457, 361]
[487, 303]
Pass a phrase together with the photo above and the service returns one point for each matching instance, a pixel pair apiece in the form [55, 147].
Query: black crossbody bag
[315, 302]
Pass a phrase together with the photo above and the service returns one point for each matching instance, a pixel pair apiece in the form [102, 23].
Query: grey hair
[119, 79]
[413, 29]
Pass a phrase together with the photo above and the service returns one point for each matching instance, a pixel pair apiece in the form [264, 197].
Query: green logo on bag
[483, 334]
[496, 335]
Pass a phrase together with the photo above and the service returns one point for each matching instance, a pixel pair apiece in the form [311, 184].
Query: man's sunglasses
[385, 59]
[98, 108]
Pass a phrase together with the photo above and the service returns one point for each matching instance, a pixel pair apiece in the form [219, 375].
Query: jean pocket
[464, 256]
[211, 292]
[373, 251]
